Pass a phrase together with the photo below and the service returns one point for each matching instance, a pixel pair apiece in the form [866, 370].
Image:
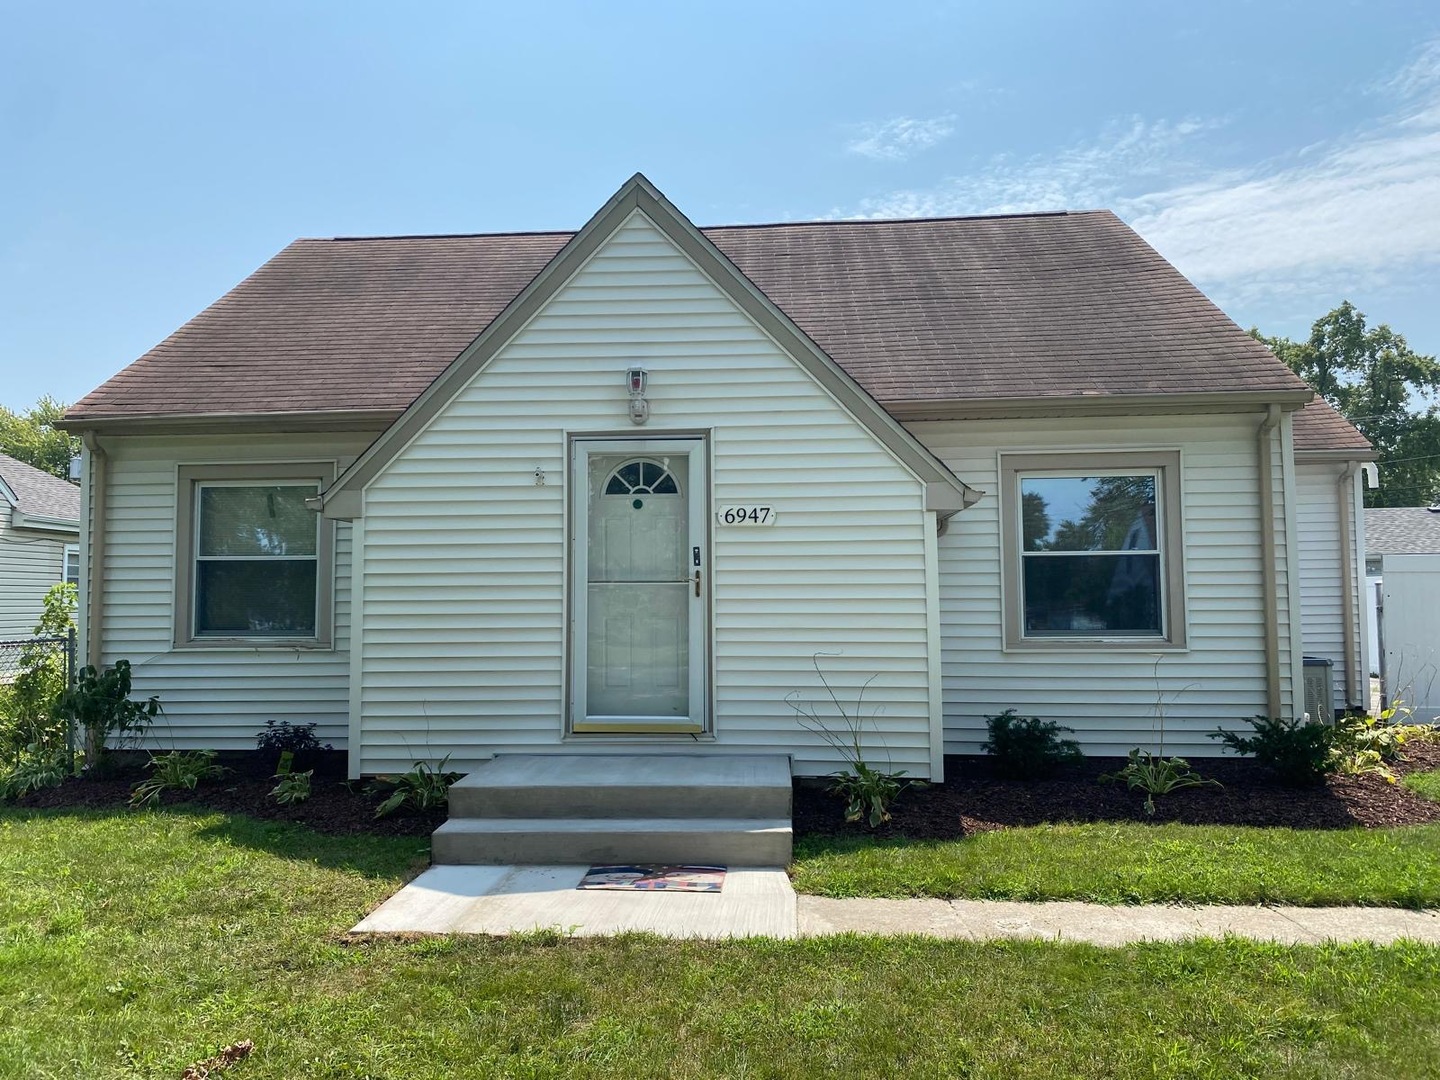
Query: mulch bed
[974, 800]
[335, 807]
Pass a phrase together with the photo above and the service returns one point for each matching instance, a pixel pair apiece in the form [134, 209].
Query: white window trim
[70, 549]
[1165, 466]
[189, 481]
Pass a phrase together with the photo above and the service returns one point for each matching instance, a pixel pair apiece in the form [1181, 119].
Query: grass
[1124, 863]
[1425, 784]
[132, 944]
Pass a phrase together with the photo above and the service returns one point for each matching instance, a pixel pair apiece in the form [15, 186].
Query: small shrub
[1156, 775]
[175, 771]
[100, 702]
[422, 788]
[285, 736]
[1299, 752]
[1026, 747]
[31, 725]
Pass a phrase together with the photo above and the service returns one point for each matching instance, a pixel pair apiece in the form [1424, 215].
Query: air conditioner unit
[1320, 689]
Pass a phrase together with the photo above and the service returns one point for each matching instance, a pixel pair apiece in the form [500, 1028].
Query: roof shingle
[40, 494]
[1024, 306]
[1402, 530]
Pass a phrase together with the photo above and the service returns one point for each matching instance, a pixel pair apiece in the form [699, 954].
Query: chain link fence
[33, 670]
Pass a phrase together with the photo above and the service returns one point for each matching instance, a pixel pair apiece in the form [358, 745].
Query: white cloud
[1081, 176]
[901, 138]
[1349, 212]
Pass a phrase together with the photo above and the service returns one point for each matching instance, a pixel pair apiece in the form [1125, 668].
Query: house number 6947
[746, 515]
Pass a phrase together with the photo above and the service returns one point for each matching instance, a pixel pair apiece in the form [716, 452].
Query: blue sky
[1284, 155]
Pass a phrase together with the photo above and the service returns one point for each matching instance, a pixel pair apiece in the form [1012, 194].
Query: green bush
[1027, 748]
[31, 723]
[1299, 752]
[175, 771]
[100, 703]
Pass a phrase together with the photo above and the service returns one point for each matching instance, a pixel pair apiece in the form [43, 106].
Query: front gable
[635, 203]
[466, 560]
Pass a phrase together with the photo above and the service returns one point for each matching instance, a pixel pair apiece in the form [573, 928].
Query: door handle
[697, 583]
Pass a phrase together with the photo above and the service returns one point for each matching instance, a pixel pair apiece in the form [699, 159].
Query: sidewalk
[759, 902]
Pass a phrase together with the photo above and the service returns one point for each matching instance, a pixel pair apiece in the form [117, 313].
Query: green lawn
[133, 944]
[1425, 784]
[1132, 863]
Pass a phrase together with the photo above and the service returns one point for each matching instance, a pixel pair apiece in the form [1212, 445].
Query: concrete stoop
[729, 810]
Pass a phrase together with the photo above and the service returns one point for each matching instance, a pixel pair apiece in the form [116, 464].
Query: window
[258, 557]
[642, 477]
[72, 564]
[1092, 550]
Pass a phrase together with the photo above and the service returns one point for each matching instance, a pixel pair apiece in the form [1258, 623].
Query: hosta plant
[422, 788]
[175, 771]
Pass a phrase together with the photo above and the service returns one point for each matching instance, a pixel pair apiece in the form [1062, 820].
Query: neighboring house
[611, 491]
[39, 542]
[1402, 555]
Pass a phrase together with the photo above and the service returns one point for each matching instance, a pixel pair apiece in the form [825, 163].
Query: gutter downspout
[1269, 571]
[95, 562]
[1345, 493]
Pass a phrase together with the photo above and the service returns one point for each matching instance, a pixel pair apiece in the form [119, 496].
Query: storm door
[639, 579]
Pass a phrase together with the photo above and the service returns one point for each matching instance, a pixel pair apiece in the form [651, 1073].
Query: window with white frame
[1092, 549]
[72, 564]
[258, 557]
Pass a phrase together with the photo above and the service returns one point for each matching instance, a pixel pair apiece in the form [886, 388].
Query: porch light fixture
[639, 407]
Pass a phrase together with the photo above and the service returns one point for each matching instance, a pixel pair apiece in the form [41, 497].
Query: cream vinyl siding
[212, 698]
[1321, 573]
[465, 554]
[1109, 695]
[30, 563]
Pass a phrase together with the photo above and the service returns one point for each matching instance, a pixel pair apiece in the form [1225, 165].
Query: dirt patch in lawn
[975, 800]
[335, 807]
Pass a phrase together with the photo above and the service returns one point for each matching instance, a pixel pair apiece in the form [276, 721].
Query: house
[621, 490]
[39, 542]
[1402, 564]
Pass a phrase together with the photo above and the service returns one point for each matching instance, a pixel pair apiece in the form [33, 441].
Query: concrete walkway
[759, 902]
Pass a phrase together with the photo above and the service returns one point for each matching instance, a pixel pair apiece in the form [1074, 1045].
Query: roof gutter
[223, 422]
[92, 554]
[1269, 568]
[1083, 404]
[1345, 497]
[22, 520]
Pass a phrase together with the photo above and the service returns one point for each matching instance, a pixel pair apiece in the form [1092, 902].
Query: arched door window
[642, 476]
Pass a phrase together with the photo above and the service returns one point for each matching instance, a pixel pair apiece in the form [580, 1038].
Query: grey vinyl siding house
[39, 542]
[619, 490]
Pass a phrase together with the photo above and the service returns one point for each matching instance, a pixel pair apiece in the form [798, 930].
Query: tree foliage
[1383, 387]
[31, 437]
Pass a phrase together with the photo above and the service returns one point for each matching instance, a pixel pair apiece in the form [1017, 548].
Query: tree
[32, 437]
[1383, 387]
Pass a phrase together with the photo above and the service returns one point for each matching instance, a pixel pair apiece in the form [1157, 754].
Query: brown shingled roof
[1024, 306]
[1319, 427]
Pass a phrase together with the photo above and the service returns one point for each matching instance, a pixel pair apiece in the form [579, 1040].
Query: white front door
[640, 585]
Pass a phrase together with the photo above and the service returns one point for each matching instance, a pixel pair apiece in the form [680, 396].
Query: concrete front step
[717, 841]
[625, 786]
